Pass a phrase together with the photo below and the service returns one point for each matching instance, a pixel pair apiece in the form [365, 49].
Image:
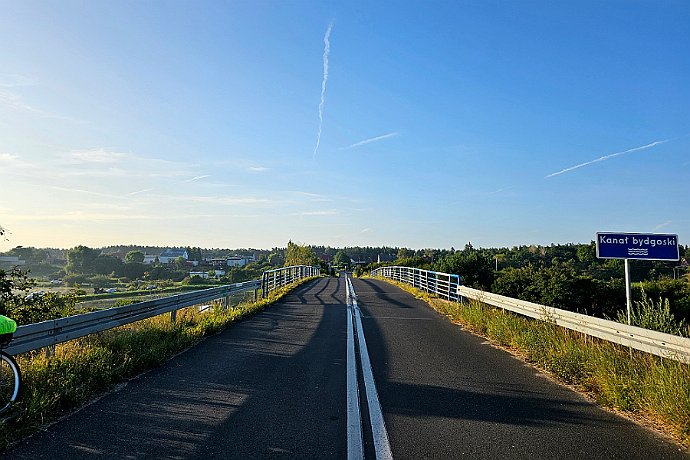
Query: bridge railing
[275, 279]
[49, 333]
[443, 285]
[657, 343]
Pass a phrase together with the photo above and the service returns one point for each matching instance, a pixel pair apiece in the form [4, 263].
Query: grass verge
[650, 389]
[81, 369]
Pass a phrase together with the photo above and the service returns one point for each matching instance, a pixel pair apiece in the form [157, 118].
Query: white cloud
[315, 197]
[138, 192]
[370, 140]
[10, 160]
[258, 169]
[606, 157]
[224, 200]
[94, 156]
[665, 224]
[328, 212]
[82, 191]
[16, 102]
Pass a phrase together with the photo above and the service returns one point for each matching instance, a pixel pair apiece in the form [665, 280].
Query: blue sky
[196, 123]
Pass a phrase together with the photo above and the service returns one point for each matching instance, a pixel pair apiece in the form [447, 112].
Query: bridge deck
[275, 386]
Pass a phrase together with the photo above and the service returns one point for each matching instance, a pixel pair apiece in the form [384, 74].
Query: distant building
[236, 261]
[230, 261]
[150, 258]
[202, 275]
[11, 262]
[219, 262]
[171, 255]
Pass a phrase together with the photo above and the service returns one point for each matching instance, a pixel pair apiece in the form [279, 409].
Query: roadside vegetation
[81, 369]
[565, 276]
[645, 387]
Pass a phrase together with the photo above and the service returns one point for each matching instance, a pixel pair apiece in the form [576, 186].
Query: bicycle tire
[10, 381]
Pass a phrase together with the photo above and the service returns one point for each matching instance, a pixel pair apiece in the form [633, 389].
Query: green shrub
[654, 316]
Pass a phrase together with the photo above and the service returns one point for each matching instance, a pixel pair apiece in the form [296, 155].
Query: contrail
[195, 178]
[326, 52]
[606, 157]
[139, 191]
[370, 140]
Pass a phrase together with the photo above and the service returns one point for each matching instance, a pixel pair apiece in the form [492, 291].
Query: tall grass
[638, 383]
[649, 314]
[81, 369]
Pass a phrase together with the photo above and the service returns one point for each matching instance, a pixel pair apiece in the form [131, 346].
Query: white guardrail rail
[448, 287]
[274, 279]
[48, 333]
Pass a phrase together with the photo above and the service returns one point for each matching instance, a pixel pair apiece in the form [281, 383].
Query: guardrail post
[173, 316]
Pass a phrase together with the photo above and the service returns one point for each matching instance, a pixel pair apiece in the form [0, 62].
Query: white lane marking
[355, 445]
[397, 317]
[382, 446]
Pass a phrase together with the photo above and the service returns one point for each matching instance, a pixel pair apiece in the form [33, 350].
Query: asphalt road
[274, 386]
[446, 393]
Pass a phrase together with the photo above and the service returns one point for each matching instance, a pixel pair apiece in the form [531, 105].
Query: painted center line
[355, 446]
[397, 317]
[382, 446]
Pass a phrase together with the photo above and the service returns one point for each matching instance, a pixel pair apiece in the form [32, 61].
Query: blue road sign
[641, 246]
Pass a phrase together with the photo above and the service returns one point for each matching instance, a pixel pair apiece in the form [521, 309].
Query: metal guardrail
[274, 279]
[442, 284]
[657, 343]
[48, 333]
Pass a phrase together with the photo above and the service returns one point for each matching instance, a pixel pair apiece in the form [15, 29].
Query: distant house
[150, 258]
[230, 261]
[236, 261]
[11, 262]
[219, 262]
[171, 255]
[202, 275]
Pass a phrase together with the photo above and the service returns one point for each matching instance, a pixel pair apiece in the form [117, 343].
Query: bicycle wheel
[10, 381]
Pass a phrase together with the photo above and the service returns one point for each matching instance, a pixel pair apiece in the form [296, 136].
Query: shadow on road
[269, 386]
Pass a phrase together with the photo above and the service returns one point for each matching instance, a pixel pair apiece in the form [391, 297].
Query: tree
[275, 259]
[340, 258]
[14, 285]
[475, 268]
[134, 257]
[403, 253]
[587, 253]
[81, 260]
[106, 264]
[300, 255]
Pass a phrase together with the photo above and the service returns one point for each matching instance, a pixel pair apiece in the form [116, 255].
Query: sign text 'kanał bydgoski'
[645, 246]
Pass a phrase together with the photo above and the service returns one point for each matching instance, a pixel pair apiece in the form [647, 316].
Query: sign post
[636, 246]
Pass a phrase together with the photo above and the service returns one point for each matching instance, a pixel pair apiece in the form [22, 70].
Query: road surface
[275, 386]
